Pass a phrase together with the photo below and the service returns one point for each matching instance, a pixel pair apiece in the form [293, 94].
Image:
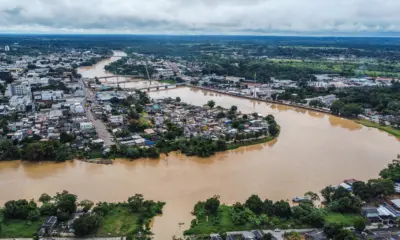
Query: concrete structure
[19, 88]
[49, 95]
[86, 126]
[166, 73]
[20, 103]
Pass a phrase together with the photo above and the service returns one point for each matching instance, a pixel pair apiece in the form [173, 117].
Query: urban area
[51, 112]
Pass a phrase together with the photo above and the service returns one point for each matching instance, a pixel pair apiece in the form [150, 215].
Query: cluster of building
[40, 106]
[197, 121]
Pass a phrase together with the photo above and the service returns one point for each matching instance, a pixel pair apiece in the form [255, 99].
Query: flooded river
[313, 150]
[124, 82]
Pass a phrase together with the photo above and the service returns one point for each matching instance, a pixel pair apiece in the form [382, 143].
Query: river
[313, 150]
[124, 82]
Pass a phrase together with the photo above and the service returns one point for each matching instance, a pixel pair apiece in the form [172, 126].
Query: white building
[86, 126]
[166, 73]
[116, 119]
[20, 103]
[327, 100]
[77, 108]
[49, 95]
[19, 88]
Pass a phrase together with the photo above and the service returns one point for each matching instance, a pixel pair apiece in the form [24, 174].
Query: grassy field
[249, 143]
[119, 222]
[346, 219]
[393, 131]
[20, 228]
[210, 225]
[168, 81]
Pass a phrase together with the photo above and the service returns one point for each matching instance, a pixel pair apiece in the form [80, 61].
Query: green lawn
[346, 219]
[168, 81]
[20, 228]
[393, 131]
[207, 226]
[119, 222]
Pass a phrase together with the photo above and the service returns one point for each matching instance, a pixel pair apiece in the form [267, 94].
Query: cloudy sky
[256, 17]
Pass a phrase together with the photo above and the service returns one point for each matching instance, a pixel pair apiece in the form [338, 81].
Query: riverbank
[233, 146]
[389, 129]
[105, 219]
[262, 100]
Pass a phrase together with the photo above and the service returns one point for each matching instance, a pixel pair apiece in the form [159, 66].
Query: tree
[211, 104]
[255, 204]
[327, 193]
[136, 203]
[270, 119]
[66, 202]
[63, 153]
[65, 137]
[273, 129]
[233, 109]
[268, 236]
[361, 190]
[381, 188]
[178, 99]
[332, 229]
[292, 236]
[351, 110]
[337, 106]
[86, 205]
[86, 224]
[212, 204]
[313, 196]
[8, 151]
[268, 207]
[392, 172]
[48, 209]
[359, 224]
[18, 209]
[316, 103]
[44, 198]
[282, 209]
[33, 215]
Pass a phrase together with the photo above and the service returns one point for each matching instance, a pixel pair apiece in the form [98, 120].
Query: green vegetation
[31, 149]
[341, 209]
[253, 214]
[392, 172]
[13, 228]
[168, 81]
[389, 129]
[119, 221]
[345, 219]
[22, 218]
[121, 68]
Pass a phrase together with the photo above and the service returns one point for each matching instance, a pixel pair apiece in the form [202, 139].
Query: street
[100, 127]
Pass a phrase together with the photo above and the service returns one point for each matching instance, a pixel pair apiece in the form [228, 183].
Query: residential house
[20, 103]
[86, 126]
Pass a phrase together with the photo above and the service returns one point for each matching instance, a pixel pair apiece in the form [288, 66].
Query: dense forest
[193, 46]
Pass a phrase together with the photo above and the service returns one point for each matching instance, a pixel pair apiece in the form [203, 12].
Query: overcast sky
[256, 17]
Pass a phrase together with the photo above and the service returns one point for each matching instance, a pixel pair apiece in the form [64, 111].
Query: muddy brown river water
[313, 150]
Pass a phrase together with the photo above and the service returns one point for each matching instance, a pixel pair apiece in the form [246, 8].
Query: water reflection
[308, 155]
[344, 123]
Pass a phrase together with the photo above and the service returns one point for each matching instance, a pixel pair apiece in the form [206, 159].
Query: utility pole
[147, 71]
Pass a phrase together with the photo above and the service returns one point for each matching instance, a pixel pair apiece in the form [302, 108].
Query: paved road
[100, 127]
[279, 235]
[64, 238]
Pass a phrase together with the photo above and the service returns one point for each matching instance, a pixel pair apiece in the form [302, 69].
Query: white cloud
[201, 16]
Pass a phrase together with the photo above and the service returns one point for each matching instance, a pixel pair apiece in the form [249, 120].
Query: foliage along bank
[22, 218]
[213, 217]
